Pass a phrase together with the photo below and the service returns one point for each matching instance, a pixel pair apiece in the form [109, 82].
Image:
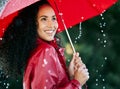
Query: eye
[43, 19]
[54, 18]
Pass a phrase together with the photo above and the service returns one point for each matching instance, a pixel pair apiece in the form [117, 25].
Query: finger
[78, 60]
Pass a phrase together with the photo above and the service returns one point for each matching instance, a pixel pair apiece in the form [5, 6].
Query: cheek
[56, 25]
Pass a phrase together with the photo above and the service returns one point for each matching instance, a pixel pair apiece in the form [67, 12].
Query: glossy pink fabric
[46, 69]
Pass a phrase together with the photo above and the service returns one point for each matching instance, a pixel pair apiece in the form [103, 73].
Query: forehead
[46, 9]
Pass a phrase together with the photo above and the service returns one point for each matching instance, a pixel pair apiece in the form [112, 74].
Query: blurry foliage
[104, 73]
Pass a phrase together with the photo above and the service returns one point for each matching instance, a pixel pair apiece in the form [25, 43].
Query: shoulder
[43, 51]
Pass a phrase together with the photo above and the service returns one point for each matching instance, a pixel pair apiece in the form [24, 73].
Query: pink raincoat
[46, 69]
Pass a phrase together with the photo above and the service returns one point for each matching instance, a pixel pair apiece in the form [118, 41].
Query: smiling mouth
[49, 32]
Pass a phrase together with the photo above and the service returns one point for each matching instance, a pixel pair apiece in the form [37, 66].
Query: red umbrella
[69, 12]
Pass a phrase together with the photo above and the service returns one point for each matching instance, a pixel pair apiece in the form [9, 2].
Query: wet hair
[19, 40]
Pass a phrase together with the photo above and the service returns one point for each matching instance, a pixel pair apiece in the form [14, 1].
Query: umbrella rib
[63, 22]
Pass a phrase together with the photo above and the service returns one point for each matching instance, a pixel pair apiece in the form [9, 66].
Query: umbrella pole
[68, 35]
[65, 27]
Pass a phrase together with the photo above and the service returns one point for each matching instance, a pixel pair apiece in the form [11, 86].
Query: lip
[49, 32]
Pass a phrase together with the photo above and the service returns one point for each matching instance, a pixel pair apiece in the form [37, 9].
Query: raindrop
[45, 87]
[75, 41]
[104, 35]
[102, 65]
[104, 46]
[102, 18]
[96, 79]
[101, 15]
[17, 80]
[46, 81]
[6, 87]
[105, 41]
[13, 5]
[103, 80]
[103, 87]
[100, 75]
[98, 39]
[49, 71]
[96, 84]
[105, 58]
[45, 62]
[80, 33]
[4, 83]
[68, 60]
[104, 24]
[97, 71]
[102, 31]
[43, 65]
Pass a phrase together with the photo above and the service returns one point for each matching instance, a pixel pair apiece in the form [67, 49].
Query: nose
[50, 24]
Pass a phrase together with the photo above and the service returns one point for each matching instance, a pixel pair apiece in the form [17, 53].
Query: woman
[30, 44]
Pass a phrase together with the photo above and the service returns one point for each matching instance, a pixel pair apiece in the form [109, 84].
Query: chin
[50, 39]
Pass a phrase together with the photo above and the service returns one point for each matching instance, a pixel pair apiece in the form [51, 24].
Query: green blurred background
[99, 48]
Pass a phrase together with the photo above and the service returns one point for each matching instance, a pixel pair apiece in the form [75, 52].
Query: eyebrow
[46, 16]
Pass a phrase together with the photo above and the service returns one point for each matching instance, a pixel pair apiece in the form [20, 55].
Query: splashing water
[80, 33]
[103, 42]
[4, 80]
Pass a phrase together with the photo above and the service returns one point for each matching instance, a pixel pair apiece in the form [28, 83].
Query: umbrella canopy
[74, 12]
[68, 12]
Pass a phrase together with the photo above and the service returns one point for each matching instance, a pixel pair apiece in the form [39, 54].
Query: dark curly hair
[19, 39]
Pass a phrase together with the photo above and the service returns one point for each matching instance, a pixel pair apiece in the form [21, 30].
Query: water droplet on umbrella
[94, 5]
[59, 30]
[82, 17]
[60, 13]
[70, 26]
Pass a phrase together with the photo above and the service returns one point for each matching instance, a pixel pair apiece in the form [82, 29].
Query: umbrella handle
[68, 35]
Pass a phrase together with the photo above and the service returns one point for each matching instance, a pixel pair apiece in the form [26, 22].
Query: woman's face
[46, 22]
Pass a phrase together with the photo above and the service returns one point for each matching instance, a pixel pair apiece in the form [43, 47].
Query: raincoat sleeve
[45, 73]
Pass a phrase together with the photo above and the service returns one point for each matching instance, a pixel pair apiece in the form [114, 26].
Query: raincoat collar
[52, 43]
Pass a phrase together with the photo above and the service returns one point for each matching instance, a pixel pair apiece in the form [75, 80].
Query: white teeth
[49, 31]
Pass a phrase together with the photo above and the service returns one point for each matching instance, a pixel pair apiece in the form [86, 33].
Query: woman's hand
[81, 74]
[75, 62]
[78, 70]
